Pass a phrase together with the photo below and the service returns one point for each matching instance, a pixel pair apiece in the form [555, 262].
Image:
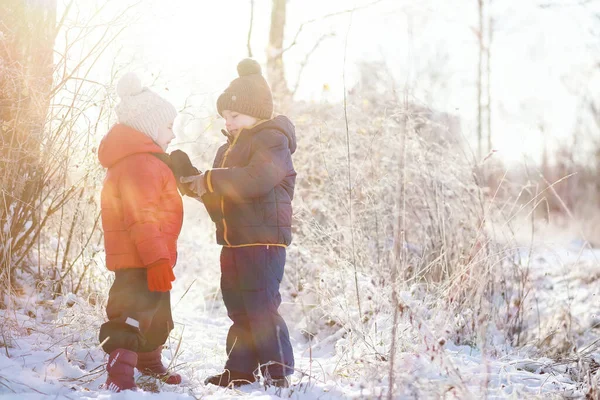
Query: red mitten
[160, 276]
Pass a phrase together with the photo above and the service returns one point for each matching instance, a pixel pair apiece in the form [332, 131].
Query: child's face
[165, 136]
[234, 121]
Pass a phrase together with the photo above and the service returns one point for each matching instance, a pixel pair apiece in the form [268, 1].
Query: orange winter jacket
[142, 211]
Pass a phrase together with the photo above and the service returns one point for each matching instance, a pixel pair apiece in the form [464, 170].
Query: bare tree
[26, 49]
[490, 32]
[27, 35]
[480, 83]
[45, 131]
[275, 66]
[484, 71]
[322, 38]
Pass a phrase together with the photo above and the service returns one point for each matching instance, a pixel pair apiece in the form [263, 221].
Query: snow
[49, 348]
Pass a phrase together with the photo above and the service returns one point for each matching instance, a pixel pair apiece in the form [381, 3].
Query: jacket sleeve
[140, 190]
[268, 166]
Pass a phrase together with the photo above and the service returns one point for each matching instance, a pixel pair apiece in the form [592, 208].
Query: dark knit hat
[249, 94]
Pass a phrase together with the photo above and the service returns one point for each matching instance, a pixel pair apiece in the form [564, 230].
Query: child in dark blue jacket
[248, 194]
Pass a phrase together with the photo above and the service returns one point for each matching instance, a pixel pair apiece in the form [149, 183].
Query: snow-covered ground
[49, 348]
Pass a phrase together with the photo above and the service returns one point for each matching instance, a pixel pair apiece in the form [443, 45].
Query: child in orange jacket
[142, 215]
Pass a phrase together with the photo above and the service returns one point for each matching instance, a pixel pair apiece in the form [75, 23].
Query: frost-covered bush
[392, 247]
[50, 111]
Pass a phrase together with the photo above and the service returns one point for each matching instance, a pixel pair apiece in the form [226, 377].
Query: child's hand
[181, 164]
[160, 275]
[197, 183]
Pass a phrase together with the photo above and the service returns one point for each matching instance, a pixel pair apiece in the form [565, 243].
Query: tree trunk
[489, 79]
[275, 66]
[27, 34]
[479, 85]
[28, 31]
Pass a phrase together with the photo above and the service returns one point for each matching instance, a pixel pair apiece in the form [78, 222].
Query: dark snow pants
[250, 278]
[131, 303]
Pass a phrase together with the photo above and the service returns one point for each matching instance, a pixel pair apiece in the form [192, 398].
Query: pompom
[248, 66]
[129, 85]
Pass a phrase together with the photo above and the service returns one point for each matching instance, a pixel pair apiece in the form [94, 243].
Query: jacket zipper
[223, 197]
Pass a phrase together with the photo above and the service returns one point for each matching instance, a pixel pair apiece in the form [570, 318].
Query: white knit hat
[141, 108]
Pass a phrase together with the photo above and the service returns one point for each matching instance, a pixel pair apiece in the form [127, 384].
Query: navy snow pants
[250, 278]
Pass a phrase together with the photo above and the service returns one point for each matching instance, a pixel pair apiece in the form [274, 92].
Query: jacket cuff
[158, 263]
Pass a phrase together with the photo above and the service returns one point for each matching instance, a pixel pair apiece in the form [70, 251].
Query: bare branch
[250, 28]
[326, 16]
[350, 191]
[307, 57]
[63, 18]
[567, 4]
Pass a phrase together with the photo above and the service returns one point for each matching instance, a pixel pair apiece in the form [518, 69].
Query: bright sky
[541, 57]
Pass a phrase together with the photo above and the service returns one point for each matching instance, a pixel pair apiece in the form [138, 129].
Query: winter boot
[150, 364]
[231, 378]
[120, 367]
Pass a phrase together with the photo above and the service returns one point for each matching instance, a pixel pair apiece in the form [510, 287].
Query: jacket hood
[122, 141]
[284, 125]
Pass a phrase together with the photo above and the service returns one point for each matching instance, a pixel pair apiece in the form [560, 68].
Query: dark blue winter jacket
[251, 186]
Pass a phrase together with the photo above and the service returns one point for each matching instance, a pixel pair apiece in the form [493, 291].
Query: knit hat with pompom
[141, 108]
[249, 94]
